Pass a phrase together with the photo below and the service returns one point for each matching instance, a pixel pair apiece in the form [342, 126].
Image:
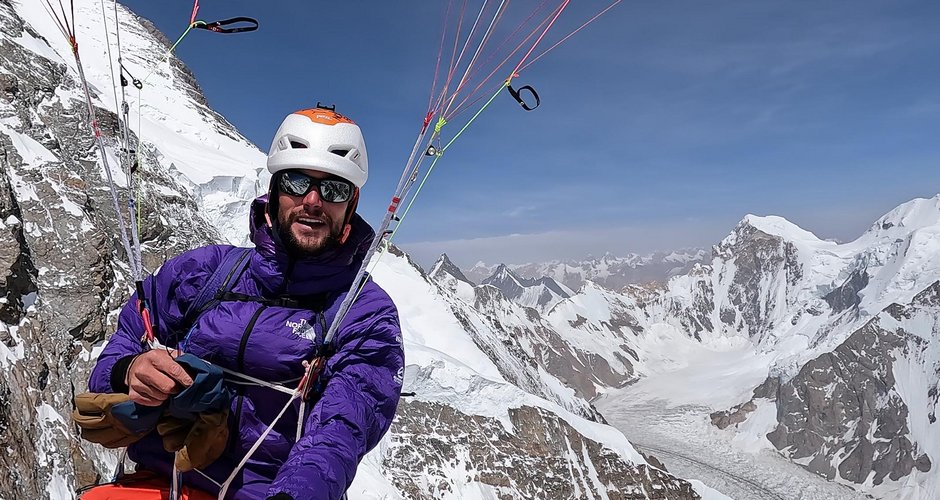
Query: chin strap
[350, 211]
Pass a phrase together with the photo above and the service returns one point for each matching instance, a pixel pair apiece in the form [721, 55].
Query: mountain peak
[907, 217]
[445, 266]
[777, 226]
[540, 293]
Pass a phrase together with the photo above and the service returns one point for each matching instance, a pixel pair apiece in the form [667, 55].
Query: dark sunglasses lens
[295, 184]
[335, 191]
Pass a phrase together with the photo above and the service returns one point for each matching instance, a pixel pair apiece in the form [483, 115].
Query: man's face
[307, 224]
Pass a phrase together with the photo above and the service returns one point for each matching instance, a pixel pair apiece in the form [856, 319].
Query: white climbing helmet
[320, 139]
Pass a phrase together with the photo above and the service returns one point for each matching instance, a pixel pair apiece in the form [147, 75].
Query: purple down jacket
[360, 385]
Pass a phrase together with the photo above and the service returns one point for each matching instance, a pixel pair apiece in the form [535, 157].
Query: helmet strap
[350, 211]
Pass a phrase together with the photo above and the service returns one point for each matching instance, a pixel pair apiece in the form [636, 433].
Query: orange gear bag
[141, 487]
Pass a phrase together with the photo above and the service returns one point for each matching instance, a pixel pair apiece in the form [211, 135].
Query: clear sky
[661, 125]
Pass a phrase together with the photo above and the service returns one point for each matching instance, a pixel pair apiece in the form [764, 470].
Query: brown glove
[173, 431]
[93, 415]
[198, 442]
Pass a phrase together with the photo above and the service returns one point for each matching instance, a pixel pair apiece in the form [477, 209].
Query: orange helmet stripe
[324, 116]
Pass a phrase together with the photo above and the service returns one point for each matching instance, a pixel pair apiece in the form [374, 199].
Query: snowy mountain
[820, 351]
[62, 270]
[853, 333]
[538, 293]
[879, 397]
[491, 400]
[609, 271]
[447, 275]
[530, 351]
[826, 350]
[499, 406]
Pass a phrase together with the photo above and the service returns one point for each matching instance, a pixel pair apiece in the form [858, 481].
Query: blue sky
[661, 125]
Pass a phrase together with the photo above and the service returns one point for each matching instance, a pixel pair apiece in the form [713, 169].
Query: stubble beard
[308, 247]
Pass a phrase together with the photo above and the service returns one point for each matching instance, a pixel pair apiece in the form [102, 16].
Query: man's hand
[154, 376]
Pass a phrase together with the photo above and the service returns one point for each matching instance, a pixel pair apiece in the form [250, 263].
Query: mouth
[312, 222]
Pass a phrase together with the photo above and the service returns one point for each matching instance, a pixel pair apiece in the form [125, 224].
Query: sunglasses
[330, 190]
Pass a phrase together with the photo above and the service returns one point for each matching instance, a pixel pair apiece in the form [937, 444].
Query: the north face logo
[302, 329]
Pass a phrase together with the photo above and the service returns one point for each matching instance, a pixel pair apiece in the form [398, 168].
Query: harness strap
[233, 264]
[516, 94]
[313, 302]
[217, 26]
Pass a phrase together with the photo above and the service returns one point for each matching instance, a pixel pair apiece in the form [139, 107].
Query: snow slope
[220, 167]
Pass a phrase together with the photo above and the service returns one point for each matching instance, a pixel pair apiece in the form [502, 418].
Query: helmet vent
[340, 152]
[297, 145]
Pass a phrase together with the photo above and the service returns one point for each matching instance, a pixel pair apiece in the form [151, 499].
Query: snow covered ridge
[218, 168]
[62, 270]
[541, 293]
[514, 425]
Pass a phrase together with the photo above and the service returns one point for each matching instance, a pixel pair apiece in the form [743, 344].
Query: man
[309, 243]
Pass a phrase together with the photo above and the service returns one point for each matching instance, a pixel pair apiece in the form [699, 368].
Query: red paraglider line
[461, 107]
[558, 13]
[474, 72]
[569, 35]
[453, 56]
[192, 18]
[437, 65]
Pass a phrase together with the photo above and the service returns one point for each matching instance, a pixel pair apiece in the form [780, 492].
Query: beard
[308, 246]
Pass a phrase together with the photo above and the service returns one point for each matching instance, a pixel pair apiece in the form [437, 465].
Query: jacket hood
[279, 273]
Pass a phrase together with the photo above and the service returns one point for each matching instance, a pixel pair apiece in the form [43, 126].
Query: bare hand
[154, 376]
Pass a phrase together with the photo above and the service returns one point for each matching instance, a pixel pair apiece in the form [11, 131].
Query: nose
[312, 199]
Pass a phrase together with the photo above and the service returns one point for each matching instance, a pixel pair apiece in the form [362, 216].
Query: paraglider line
[557, 13]
[569, 35]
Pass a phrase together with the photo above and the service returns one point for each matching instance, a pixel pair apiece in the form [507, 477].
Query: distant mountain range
[608, 271]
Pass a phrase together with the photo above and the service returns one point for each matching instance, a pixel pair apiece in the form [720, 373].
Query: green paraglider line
[440, 123]
[441, 153]
[140, 131]
[188, 29]
[169, 51]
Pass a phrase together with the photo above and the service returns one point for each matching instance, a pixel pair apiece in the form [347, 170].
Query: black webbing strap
[219, 26]
[312, 302]
[222, 279]
[515, 95]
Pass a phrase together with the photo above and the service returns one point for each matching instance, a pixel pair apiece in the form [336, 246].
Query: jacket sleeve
[354, 412]
[167, 292]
